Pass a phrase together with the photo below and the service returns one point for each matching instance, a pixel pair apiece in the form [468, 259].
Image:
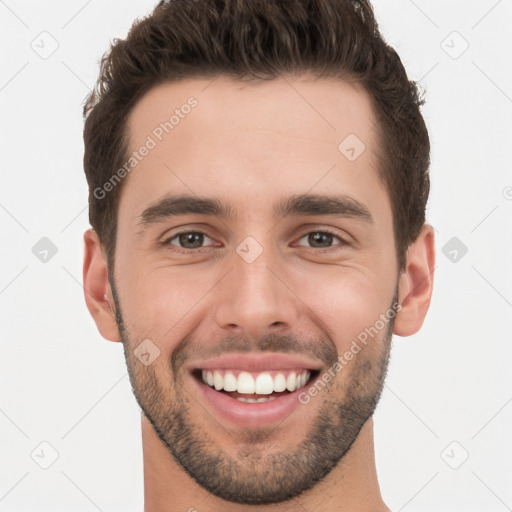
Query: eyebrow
[303, 204]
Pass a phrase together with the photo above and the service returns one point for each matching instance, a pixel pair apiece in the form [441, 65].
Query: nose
[255, 298]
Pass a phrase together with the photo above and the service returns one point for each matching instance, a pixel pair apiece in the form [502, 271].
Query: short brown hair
[259, 40]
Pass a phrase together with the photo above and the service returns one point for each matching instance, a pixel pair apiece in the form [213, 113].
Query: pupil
[317, 237]
[189, 237]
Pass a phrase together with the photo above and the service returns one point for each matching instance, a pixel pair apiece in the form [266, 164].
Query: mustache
[315, 348]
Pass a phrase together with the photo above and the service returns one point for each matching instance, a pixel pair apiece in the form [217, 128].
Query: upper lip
[257, 362]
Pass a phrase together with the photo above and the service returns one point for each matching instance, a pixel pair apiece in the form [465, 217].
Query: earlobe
[416, 284]
[98, 294]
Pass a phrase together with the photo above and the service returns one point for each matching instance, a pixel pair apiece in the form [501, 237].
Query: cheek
[345, 300]
[159, 300]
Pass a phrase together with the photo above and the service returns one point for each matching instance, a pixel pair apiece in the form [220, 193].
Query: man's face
[261, 281]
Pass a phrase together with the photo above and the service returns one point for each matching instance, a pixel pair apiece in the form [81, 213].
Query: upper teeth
[263, 383]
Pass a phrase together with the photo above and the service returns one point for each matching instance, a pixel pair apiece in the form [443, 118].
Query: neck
[351, 486]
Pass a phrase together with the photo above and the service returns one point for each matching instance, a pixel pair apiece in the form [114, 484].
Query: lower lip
[250, 415]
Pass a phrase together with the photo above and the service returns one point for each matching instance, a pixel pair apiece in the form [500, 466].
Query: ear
[98, 294]
[416, 284]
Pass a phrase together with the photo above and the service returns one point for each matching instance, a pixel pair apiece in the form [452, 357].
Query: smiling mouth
[256, 387]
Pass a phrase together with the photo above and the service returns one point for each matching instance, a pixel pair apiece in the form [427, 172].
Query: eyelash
[179, 250]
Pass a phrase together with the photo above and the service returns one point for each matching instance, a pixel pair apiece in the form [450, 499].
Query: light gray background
[449, 392]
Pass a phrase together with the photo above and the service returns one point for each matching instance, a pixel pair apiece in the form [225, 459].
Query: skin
[251, 145]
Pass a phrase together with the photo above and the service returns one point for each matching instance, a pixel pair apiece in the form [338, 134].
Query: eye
[192, 241]
[188, 240]
[322, 239]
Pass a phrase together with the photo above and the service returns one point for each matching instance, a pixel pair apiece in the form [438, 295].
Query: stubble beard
[250, 477]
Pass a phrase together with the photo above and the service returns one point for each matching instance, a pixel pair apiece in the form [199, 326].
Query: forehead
[214, 136]
[304, 107]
